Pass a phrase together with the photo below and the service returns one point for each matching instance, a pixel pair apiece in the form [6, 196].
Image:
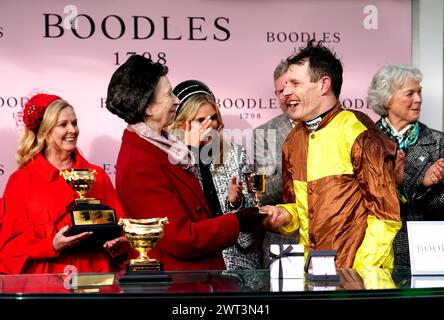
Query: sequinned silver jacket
[243, 254]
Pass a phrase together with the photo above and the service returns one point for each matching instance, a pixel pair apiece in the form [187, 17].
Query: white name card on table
[323, 265]
[287, 261]
[426, 247]
[320, 266]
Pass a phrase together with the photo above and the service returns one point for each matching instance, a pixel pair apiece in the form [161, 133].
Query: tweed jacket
[272, 133]
[422, 203]
[268, 140]
[241, 255]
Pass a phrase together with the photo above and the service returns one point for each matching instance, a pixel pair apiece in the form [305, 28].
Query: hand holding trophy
[255, 184]
[89, 214]
[143, 235]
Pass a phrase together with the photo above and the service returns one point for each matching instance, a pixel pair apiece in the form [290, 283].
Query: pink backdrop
[231, 45]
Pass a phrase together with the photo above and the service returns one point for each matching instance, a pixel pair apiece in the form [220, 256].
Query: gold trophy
[80, 181]
[143, 235]
[255, 184]
[89, 214]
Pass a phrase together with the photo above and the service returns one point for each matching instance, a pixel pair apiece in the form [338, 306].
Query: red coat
[35, 201]
[148, 186]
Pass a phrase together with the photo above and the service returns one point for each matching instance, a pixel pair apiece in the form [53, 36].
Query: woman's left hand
[117, 247]
[235, 192]
[434, 174]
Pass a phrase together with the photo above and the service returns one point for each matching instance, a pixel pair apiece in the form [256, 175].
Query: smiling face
[302, 97]
[405, 106]
[62, 138]
[161, 112]
[279, 86]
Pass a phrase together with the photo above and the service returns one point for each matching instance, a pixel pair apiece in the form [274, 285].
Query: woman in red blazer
[35, 216]
[153, 176]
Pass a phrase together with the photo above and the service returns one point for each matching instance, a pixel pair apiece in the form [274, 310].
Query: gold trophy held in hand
[89, 214]
[255, 184]
[143, 235]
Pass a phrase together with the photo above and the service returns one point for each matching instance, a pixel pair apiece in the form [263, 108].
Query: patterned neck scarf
[406, 138]
[177, 151]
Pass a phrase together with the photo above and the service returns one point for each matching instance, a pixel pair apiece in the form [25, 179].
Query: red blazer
[149, 186]
[35, 201]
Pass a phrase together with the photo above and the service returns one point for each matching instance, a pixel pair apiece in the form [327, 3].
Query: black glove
[249, 218]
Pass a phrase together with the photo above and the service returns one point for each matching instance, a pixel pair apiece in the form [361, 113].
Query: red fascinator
[35, 108]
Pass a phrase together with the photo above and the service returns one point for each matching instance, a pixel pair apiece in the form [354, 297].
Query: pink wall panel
[233, 46]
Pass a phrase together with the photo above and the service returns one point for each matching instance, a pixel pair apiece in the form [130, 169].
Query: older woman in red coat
[153, 176]
[35, 217]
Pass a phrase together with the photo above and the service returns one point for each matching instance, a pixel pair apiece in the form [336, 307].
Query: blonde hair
[32, 143]
[188, 112]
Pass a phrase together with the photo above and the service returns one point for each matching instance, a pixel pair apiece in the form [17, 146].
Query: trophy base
[89, 215]
[101, 234]
[139, 265]
[147, 276]
[86, 201]
[150, 270]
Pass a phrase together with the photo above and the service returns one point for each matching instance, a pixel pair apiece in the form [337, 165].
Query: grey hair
[281, 68]
[384, 83]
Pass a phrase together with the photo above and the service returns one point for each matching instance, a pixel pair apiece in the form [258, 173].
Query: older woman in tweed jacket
[395, 94]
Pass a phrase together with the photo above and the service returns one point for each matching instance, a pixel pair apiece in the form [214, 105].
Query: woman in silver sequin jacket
[220, 165]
